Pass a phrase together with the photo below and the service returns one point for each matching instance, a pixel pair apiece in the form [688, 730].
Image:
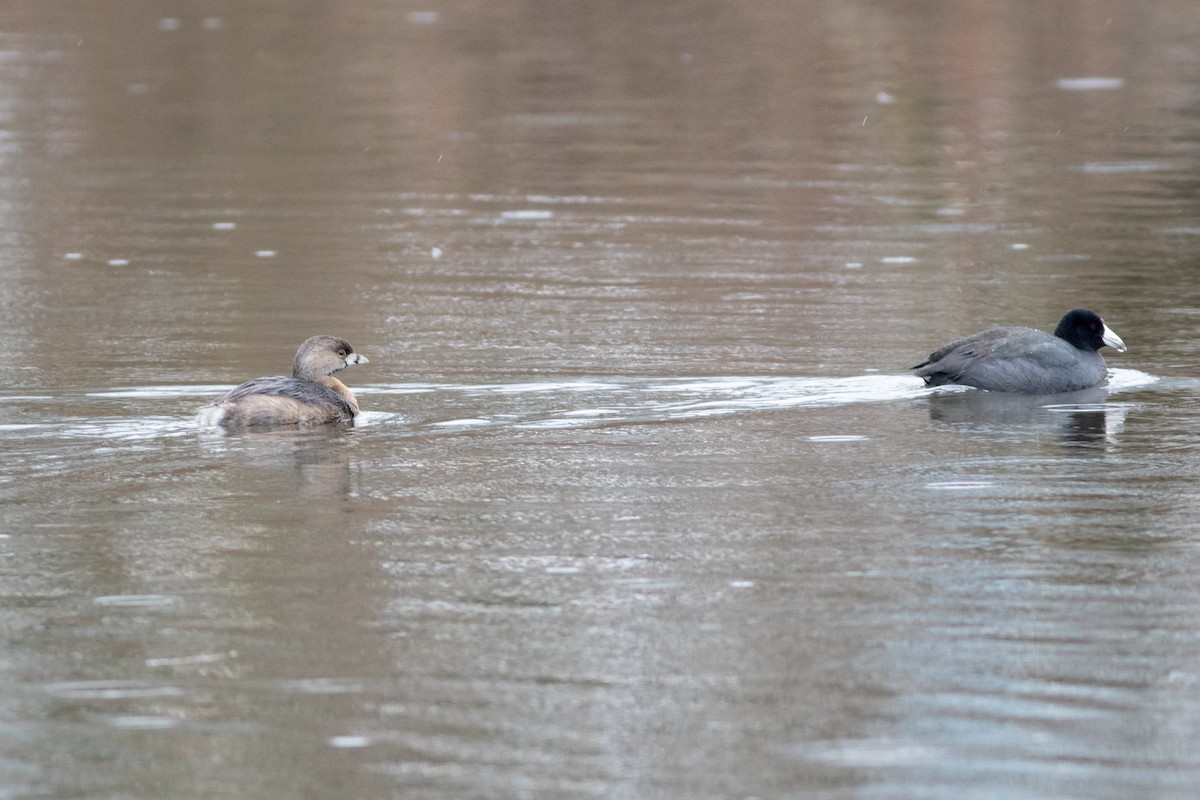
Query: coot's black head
[1085, 330]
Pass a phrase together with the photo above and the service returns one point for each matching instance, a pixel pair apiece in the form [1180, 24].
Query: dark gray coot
[1026, 360]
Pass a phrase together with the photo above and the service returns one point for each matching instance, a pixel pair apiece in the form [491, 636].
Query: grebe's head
[321, 356]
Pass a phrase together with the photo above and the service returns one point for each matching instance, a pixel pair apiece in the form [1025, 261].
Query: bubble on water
[212, 23]
[435, 252]
[872, 753]
[527, 213]
[142, 722]
[224, 226]
[1063, 257]
[348, 742]
[850, 437]
[322, 686]
[1088, 84]
[898, 260]
[266, 253]
[423, 17]
[112, 690]
[1019, 246]
[118, 262]
[186, 661]
[592, 412]
[137, 601]
[73, 256]
[470, 422]
[169, 24]
[1123, 167]
[959, 486]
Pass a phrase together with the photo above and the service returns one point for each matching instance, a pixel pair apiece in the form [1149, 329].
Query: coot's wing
[947, 364]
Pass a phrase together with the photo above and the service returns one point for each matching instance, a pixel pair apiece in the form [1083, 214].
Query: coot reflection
[1082, 421]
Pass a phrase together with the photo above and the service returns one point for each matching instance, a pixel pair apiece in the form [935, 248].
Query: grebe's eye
[342, 352]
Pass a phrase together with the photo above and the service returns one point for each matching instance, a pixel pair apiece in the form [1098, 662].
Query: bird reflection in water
[1081, 421]
[318, 457]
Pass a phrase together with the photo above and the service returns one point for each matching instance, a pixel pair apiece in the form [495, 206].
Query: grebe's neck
[342, 389]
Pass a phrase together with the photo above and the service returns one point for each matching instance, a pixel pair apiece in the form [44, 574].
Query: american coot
[311, 396]
[1026, 360]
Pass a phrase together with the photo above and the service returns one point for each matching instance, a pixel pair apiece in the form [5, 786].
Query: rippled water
[642, 502]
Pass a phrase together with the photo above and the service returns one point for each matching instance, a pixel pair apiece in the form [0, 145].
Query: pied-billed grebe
[1026, 360]
[312, 396]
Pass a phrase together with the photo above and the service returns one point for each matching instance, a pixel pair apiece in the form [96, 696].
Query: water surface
[643, 503]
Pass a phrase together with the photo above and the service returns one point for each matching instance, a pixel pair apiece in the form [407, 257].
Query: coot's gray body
[1026, 360]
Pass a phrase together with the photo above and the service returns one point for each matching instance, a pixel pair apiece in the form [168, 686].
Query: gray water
[642, 503]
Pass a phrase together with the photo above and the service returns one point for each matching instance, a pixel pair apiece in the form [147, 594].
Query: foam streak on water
[528, 404]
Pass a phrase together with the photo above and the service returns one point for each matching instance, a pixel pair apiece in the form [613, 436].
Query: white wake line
[790, 393]
[900, 384]
[659, 401]
[868, 388]
[640, 401]
[1123, 380]
[629, 400]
